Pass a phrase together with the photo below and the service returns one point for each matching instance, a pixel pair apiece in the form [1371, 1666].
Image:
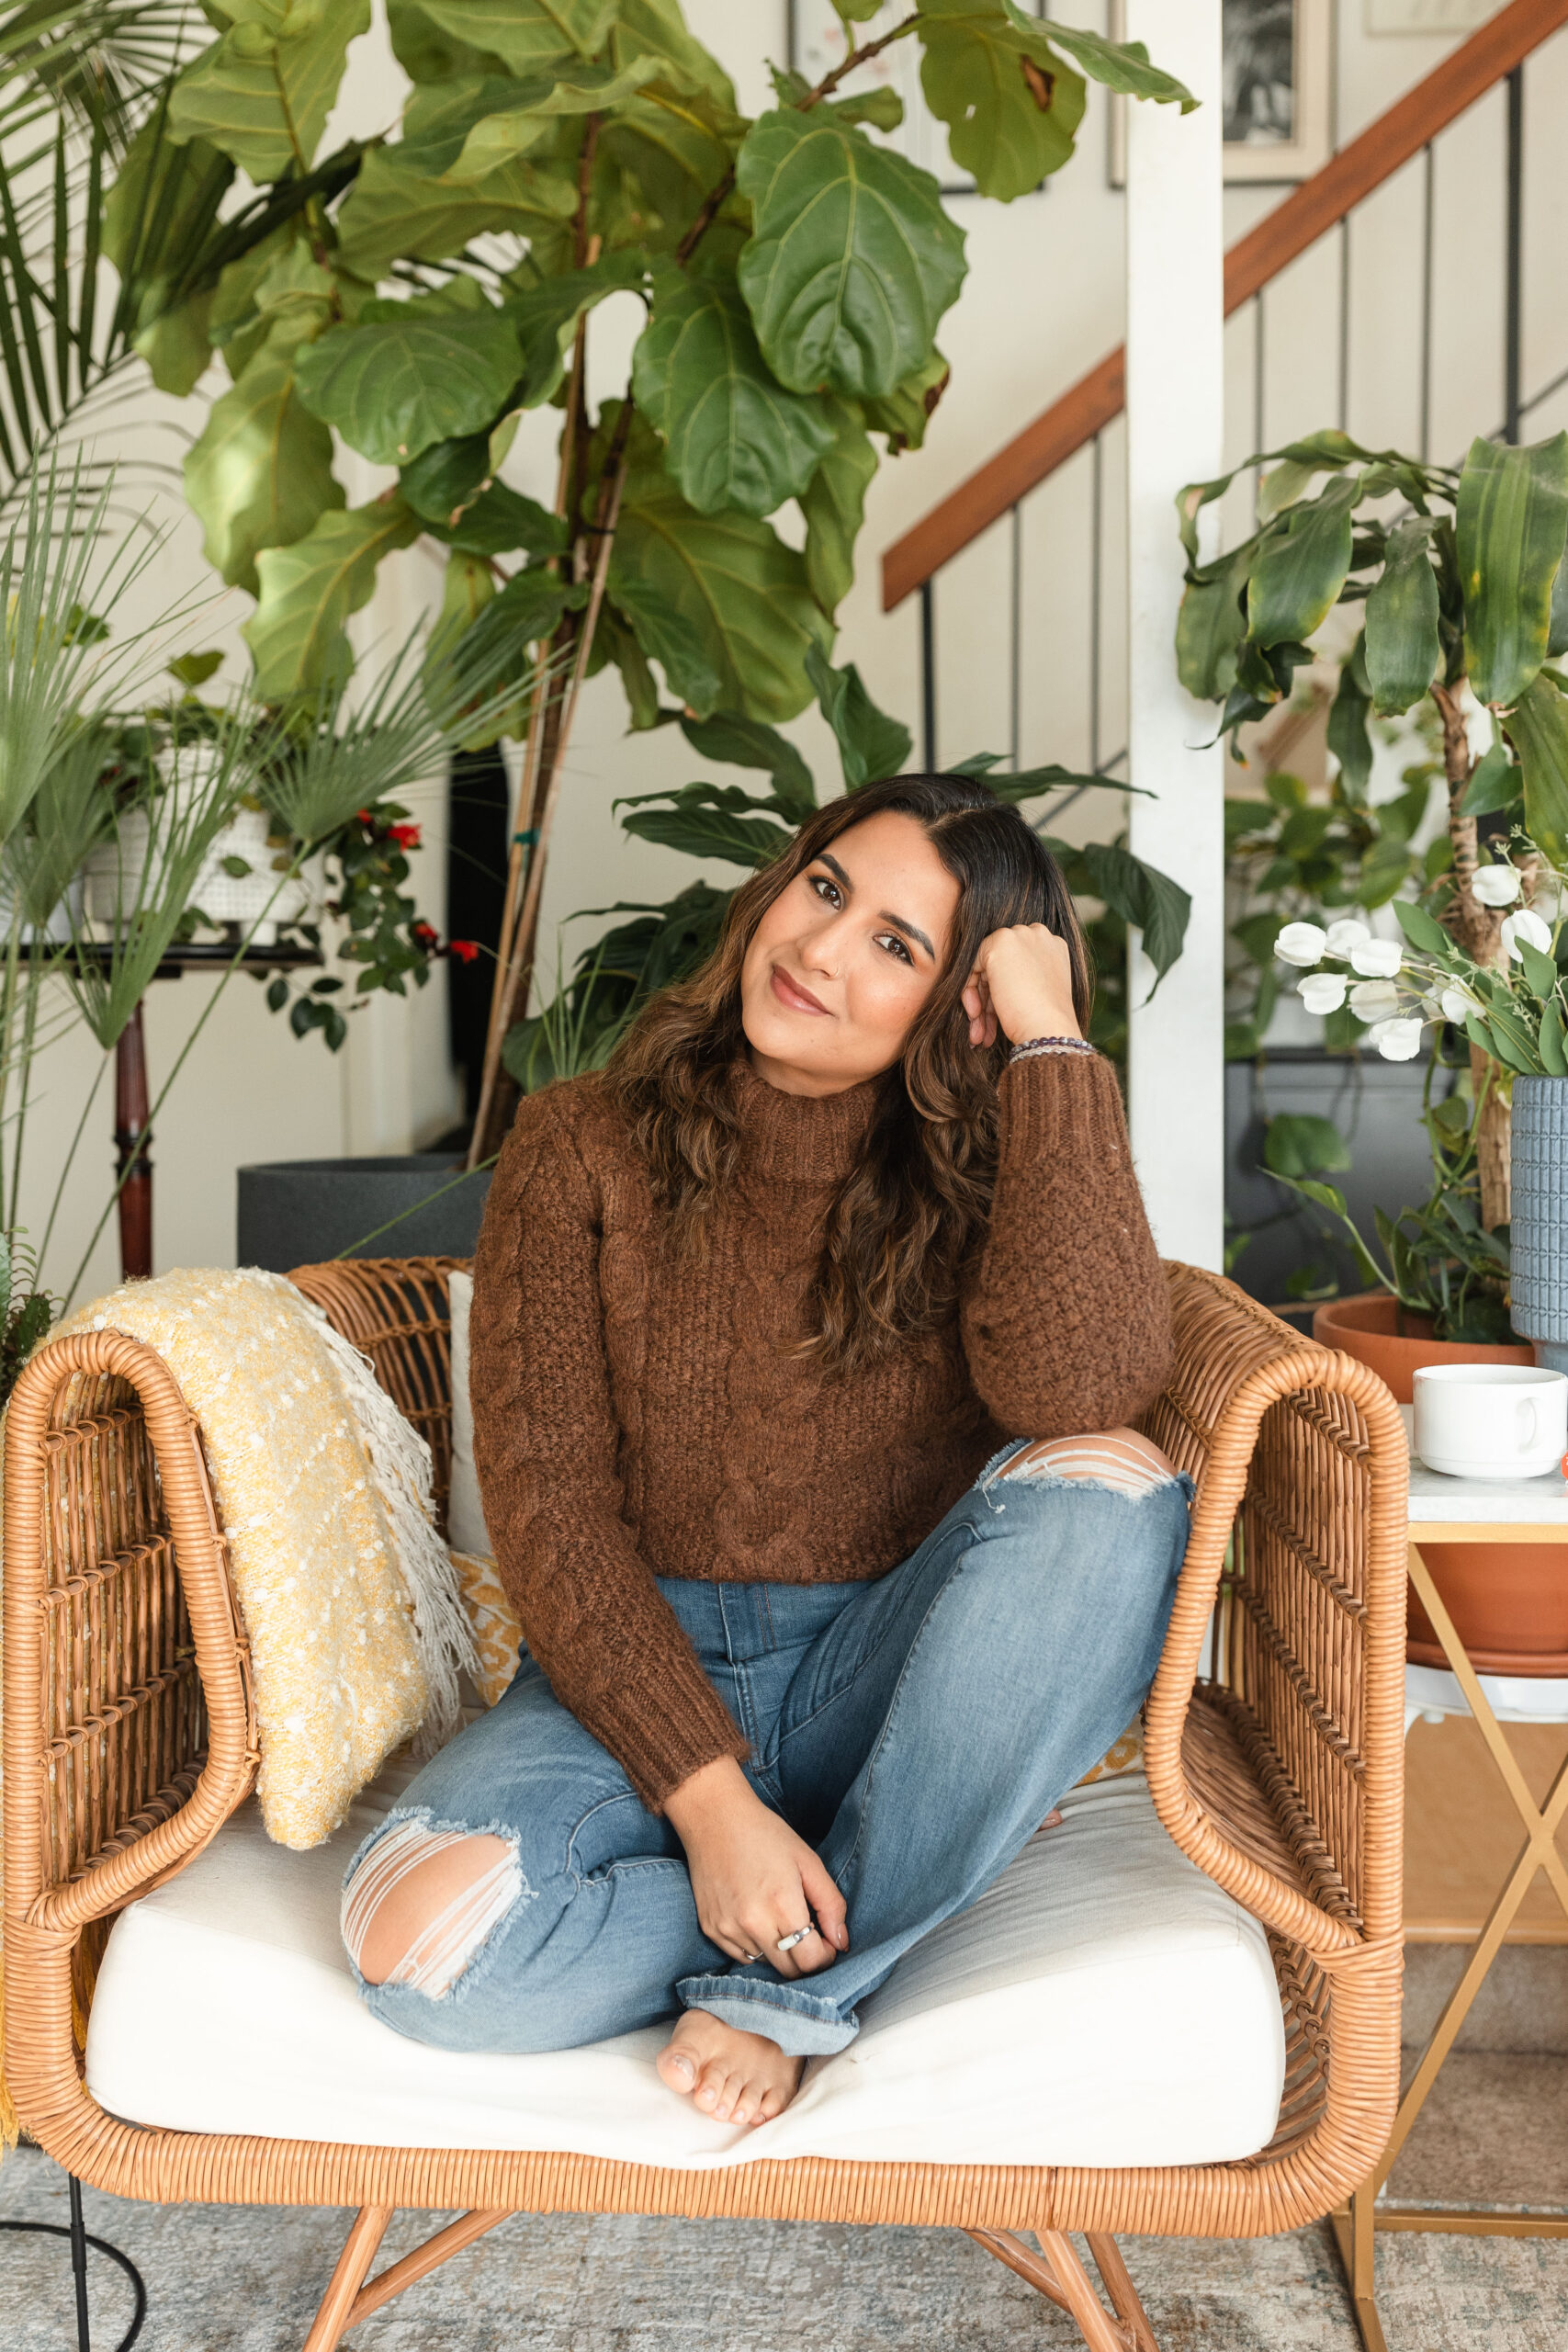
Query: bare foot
[734, 2077]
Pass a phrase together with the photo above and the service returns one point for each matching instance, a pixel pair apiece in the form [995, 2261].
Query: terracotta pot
[1508, 1601]
[1378, 1331]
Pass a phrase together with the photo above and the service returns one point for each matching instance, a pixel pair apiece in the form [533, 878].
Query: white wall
[1042, 301]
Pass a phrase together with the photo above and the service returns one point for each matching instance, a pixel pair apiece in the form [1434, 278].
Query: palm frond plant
[576, 1029]
[1460, 575]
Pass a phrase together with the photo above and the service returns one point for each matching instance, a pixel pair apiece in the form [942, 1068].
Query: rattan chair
[131, 1735]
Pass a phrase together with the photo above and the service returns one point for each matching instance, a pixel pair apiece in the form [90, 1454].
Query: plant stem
[1479, 931]
[68, 1162]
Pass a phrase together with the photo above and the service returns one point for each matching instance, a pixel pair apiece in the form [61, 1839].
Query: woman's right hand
[753, 1879]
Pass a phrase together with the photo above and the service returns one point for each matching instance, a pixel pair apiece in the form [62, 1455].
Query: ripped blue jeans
[916, 1730]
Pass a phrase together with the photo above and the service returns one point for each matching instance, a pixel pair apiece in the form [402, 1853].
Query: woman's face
[845, 958]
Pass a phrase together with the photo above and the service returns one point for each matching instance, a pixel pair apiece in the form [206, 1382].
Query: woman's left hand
[1022, 982]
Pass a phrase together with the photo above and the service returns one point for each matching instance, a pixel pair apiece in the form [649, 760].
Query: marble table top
[1521, 1502]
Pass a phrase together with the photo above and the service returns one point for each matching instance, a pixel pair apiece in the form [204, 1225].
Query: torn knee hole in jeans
[418, 1909]
[1126, 1465]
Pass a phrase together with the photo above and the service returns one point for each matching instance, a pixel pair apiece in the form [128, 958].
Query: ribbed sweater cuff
[1060, 1103]
[665, 1725]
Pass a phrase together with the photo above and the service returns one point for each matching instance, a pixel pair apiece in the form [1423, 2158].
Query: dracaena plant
[413, 295]
[612, 980]
[1459, 576]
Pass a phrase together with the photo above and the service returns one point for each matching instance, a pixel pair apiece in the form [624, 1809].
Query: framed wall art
[818, 42]
[1278, 90]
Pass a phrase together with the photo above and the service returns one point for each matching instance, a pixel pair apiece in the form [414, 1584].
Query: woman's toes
[677, 2069]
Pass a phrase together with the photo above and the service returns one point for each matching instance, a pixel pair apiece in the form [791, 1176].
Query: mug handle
[1526, 1404]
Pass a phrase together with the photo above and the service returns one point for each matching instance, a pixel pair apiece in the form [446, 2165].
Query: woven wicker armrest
[130, 1721]
[1281, 1772]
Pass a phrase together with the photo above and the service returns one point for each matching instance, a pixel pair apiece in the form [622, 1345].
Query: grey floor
[228, 2279]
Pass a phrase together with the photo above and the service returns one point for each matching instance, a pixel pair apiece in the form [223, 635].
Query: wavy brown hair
[906, 1217]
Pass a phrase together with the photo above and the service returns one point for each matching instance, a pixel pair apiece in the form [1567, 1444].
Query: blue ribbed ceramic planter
[1539, 1223]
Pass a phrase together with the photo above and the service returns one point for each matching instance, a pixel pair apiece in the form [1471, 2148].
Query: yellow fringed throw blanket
[358, 1635]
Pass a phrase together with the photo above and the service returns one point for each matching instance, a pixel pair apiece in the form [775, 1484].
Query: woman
[786, 1329]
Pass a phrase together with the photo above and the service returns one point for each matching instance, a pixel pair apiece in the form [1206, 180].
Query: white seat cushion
[1103, 2004]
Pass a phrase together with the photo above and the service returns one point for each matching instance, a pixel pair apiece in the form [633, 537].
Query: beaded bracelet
[1032, 1046]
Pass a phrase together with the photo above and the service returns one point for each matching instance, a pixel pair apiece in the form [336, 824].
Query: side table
[1468, 1510]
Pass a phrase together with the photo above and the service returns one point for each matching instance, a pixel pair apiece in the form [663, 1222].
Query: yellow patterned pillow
[497, 1637]
[492, 1620]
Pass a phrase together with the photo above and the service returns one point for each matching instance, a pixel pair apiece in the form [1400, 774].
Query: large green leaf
[404, 379]
[1142, 897]
[440, 115]
[1557, 637]
[501, 134]
[834, 507]
[1011, 106]
[162, 207]
[1298, 572]
[529, 36]
[308, 591]
[731, 585]
[733, 435]
[854, 261]
[1348, 738]
[677, 148]
[1511, 523]
[908, 408]
[870, 744]
[657, 28]
[261, 474]
[545, 317]
[1403, 645]
[1209, 624]
[708, 820]
[1120, 65]
[748, 743]
[396, 212]
[263, 93]
[1537, 727]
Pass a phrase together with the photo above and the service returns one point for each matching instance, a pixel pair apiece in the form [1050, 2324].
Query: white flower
[1301, 943]
[1525, 929]
[1346, 934]
[1496, 885]
[1377, 958]
[1398, 1041]
[1456, 1003]
[1374, 1000]
[1322, 991]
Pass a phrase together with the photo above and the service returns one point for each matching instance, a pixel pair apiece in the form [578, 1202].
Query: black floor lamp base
[80, 2242]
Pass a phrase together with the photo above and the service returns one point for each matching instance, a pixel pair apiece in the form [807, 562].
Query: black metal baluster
[1427, 208]
[1097, 494]
[1515, 254]
[928, 675]
[1015, 649]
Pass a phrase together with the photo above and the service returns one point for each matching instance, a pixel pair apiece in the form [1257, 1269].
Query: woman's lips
[791, 994]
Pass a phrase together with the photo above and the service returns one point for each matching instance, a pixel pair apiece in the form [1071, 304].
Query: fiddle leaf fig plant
[411, 296]
[1459, 576]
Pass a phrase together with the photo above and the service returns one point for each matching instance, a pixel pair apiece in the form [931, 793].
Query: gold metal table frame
[1357, 2225]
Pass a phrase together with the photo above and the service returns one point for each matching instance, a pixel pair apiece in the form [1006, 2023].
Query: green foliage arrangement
[1460, 575]
[415, 295]
[662, 944]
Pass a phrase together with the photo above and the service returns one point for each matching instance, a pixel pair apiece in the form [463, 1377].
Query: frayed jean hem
[803, 2025]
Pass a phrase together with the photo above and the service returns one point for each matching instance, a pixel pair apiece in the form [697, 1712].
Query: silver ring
[788, 1943]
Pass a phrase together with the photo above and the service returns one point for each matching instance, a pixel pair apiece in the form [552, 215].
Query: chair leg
[1353, 2235]
[1122, 2293]
[1057, 2273]
[358, 2253]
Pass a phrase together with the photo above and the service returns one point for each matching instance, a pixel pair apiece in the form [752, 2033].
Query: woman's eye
[890, 940]
[825, 888]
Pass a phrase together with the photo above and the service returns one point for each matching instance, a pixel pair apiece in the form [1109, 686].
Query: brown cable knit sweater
[636, 1418]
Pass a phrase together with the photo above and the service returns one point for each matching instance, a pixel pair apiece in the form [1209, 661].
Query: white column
[1175, 417]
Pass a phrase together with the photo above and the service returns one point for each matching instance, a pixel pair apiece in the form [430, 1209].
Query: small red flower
[363, 817]
[405, 836]
[465, 950]
[423, 935]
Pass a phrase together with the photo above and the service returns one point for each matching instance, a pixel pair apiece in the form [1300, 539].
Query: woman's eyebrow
[909, 930]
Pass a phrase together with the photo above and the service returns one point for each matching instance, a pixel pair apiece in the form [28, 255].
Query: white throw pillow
[466, 1529]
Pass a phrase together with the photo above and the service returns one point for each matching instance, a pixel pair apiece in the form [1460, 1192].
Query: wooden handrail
[1382, 149]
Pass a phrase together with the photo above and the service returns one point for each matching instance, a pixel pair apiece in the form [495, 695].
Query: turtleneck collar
[799, 1138]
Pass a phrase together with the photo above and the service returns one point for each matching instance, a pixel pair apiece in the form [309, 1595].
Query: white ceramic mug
[1490, 1420]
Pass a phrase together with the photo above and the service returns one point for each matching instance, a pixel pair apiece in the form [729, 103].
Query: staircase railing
[1322, 206]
